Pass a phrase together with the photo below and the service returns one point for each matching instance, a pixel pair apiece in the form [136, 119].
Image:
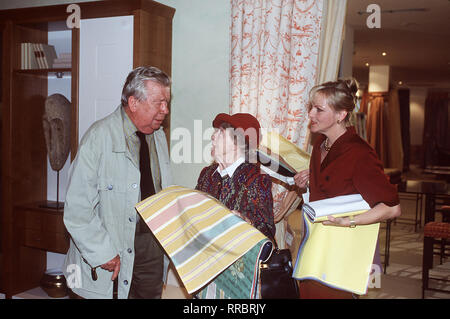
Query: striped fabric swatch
[200, 235]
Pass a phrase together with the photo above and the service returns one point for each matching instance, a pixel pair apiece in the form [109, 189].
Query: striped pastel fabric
[200, 235]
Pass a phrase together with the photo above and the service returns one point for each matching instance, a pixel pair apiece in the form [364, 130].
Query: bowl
[54, 283]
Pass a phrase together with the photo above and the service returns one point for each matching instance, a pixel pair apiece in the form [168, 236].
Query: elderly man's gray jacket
[99, 209]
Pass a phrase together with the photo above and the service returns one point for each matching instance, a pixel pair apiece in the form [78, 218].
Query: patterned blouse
[247, 191]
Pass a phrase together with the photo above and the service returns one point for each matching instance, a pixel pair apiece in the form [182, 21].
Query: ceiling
[417, 43]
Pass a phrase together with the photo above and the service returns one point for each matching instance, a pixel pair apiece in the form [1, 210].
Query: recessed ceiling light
[383, 54]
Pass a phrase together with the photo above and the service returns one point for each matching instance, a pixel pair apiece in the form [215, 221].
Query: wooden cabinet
[41, 227]
[27, 230]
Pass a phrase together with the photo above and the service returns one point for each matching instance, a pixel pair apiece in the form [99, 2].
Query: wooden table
[442, 172]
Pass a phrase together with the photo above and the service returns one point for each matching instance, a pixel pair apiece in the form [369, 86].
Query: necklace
[325, 145]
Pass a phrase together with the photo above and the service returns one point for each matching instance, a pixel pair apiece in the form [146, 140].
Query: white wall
[200, 68]
[346, 65]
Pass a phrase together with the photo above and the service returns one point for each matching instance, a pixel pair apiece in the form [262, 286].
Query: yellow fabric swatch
[339, 257]
[288, 151]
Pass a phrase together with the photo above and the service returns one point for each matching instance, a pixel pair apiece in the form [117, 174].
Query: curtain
[364, 102]
[274, 53]
[376, 127]
[384, 127]
[330, 49]
[331, 38]
[394, 146]
[403, 97]
[436, 135]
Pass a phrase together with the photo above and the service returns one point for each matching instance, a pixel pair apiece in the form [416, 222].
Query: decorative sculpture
[56, 123]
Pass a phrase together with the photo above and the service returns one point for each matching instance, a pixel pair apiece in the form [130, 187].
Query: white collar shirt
[232, 168]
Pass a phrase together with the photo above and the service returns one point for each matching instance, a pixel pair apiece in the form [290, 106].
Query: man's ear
[132, 103]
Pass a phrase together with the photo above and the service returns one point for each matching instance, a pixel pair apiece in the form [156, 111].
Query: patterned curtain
[274, 53]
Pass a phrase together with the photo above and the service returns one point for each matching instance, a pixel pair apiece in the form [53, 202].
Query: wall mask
[56, 123]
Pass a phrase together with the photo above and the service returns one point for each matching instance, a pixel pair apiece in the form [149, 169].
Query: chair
[445, 210]
[395, 177]
[418, 198]
[387, 245]
[434, 232]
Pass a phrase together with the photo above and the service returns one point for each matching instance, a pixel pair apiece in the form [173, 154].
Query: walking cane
[115, 287]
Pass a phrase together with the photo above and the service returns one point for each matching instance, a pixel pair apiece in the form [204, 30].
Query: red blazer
[350, 167]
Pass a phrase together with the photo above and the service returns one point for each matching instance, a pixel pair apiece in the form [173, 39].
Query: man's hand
[113, 265]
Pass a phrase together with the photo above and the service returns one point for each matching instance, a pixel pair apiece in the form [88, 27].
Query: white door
[106, 58]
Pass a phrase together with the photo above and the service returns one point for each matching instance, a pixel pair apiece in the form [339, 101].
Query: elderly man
[121, 159]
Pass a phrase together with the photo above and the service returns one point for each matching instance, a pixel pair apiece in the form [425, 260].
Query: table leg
[429, 208]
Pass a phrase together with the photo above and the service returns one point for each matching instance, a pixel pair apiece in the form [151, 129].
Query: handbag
[276, 276]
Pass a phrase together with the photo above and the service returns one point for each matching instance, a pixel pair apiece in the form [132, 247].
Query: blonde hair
[340, 95]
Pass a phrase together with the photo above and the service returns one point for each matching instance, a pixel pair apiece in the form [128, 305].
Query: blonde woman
[342, 164]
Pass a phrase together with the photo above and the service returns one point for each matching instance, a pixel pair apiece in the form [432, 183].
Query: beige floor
[403, 277]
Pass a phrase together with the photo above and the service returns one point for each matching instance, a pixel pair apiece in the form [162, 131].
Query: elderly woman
[342, 164]
[233, 179]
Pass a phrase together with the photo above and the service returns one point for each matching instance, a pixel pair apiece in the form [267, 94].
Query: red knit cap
[245, 121]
